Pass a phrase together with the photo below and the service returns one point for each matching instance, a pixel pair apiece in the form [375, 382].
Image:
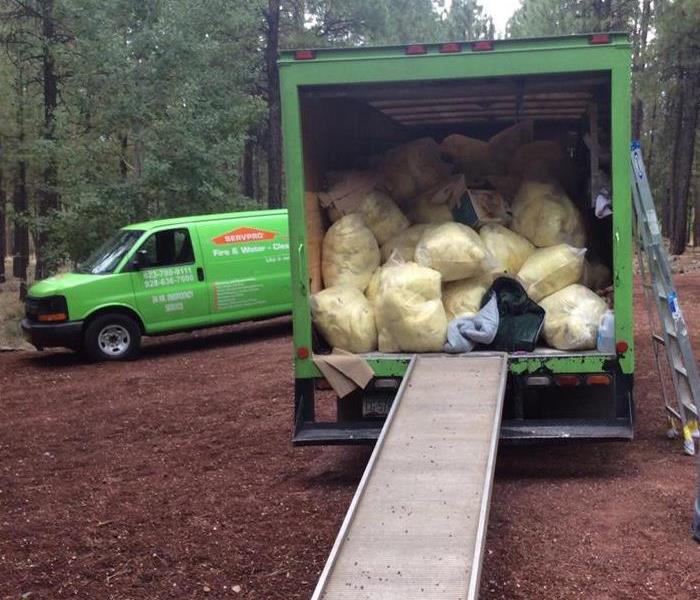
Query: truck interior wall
[342, 126]
[337, 132]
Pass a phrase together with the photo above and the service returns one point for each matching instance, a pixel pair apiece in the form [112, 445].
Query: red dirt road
[173, 477]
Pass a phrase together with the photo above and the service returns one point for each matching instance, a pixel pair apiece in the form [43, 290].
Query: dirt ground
[174, 477]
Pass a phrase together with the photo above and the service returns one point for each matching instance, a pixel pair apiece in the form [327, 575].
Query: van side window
[169, 247]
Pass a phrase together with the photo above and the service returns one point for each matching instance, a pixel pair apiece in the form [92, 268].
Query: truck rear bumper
[52, 335]
[549, 414]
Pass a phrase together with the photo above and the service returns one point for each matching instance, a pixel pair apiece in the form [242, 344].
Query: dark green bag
[520, 318]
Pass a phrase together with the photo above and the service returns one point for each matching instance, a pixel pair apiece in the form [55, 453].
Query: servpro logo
[244, 234]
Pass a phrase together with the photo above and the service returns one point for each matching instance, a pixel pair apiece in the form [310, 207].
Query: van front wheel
[112, 337]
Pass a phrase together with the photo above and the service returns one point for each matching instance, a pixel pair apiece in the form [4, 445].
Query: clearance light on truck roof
[600, 38]
[482, 46]
[304, 55]
[414, 49]
[450, 48]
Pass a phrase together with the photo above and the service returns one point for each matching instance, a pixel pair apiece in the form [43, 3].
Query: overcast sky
[500, 10]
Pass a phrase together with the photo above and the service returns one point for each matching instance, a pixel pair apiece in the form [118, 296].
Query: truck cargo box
[342, 108]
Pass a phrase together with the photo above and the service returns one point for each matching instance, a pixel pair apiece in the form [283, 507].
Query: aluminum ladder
[668, 327]
[416, 526]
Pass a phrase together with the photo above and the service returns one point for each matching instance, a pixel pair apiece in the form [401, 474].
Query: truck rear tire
[112, 336]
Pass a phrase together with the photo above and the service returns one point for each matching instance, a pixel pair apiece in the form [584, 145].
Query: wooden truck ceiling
[552, 98]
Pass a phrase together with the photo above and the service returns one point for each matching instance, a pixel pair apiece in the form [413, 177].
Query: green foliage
[466, 21]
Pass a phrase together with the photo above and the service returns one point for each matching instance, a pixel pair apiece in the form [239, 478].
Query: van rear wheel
[113, 336]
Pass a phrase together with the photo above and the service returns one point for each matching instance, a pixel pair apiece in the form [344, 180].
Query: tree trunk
[696, 216]
[3, 228]
[248, 170]
[20, 243]
[683, 154]
[638, 110]
[123, 166]
[649, 154]
[257, 183]
[274, 147]
[48, 194]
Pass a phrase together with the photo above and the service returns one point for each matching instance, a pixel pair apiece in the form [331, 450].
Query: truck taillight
[622, 346]
[536, 380]
[600, 38]
[450, 48]
[304, 55]
[303, 352]
[598, 379]
[414, 49]
[482, 46]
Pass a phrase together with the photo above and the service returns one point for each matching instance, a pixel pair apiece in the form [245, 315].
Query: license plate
[375, 407]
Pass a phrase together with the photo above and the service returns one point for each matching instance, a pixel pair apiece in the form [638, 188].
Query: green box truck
[340, 105]
[161, 277]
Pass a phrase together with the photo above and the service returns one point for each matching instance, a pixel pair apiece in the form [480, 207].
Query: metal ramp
[417, 523]
[668, 328]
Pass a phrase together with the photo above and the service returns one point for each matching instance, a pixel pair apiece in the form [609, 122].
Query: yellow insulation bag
[373, 286]
[350, 253]
[596, 275]
[453, 249]
[412, 168]
[546, 216]
[508, 249]
[408, 309]
[403, 245]
[345, 318]
[571, 318]
[382, 216]
[470, 156]
[543, 160]
[462, 298]
[549, 270]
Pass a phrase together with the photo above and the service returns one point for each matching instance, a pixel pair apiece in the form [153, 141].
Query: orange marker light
[53, 317]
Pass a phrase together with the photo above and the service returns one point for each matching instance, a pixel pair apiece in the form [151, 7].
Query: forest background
[115, 111]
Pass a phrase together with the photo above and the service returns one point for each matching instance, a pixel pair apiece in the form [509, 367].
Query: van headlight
[50, 309]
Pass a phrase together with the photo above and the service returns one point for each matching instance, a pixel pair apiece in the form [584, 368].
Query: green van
[165, 276]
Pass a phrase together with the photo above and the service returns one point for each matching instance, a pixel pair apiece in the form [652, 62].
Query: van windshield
[106, 258]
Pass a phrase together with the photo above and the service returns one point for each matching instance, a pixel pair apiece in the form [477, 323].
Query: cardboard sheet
[344, 371]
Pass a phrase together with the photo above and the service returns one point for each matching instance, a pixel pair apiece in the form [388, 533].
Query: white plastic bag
[462, 298]
[546, 216]
[508, 249]
[549, 270]
[350, 253]
[453, 249]
[345, 318]
[572, 316]
[382, 216]
[403, 245]
[408, 309]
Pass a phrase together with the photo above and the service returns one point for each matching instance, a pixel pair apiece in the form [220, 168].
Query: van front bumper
[51, 335]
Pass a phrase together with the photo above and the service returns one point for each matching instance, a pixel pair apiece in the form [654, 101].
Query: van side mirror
[139, 260]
